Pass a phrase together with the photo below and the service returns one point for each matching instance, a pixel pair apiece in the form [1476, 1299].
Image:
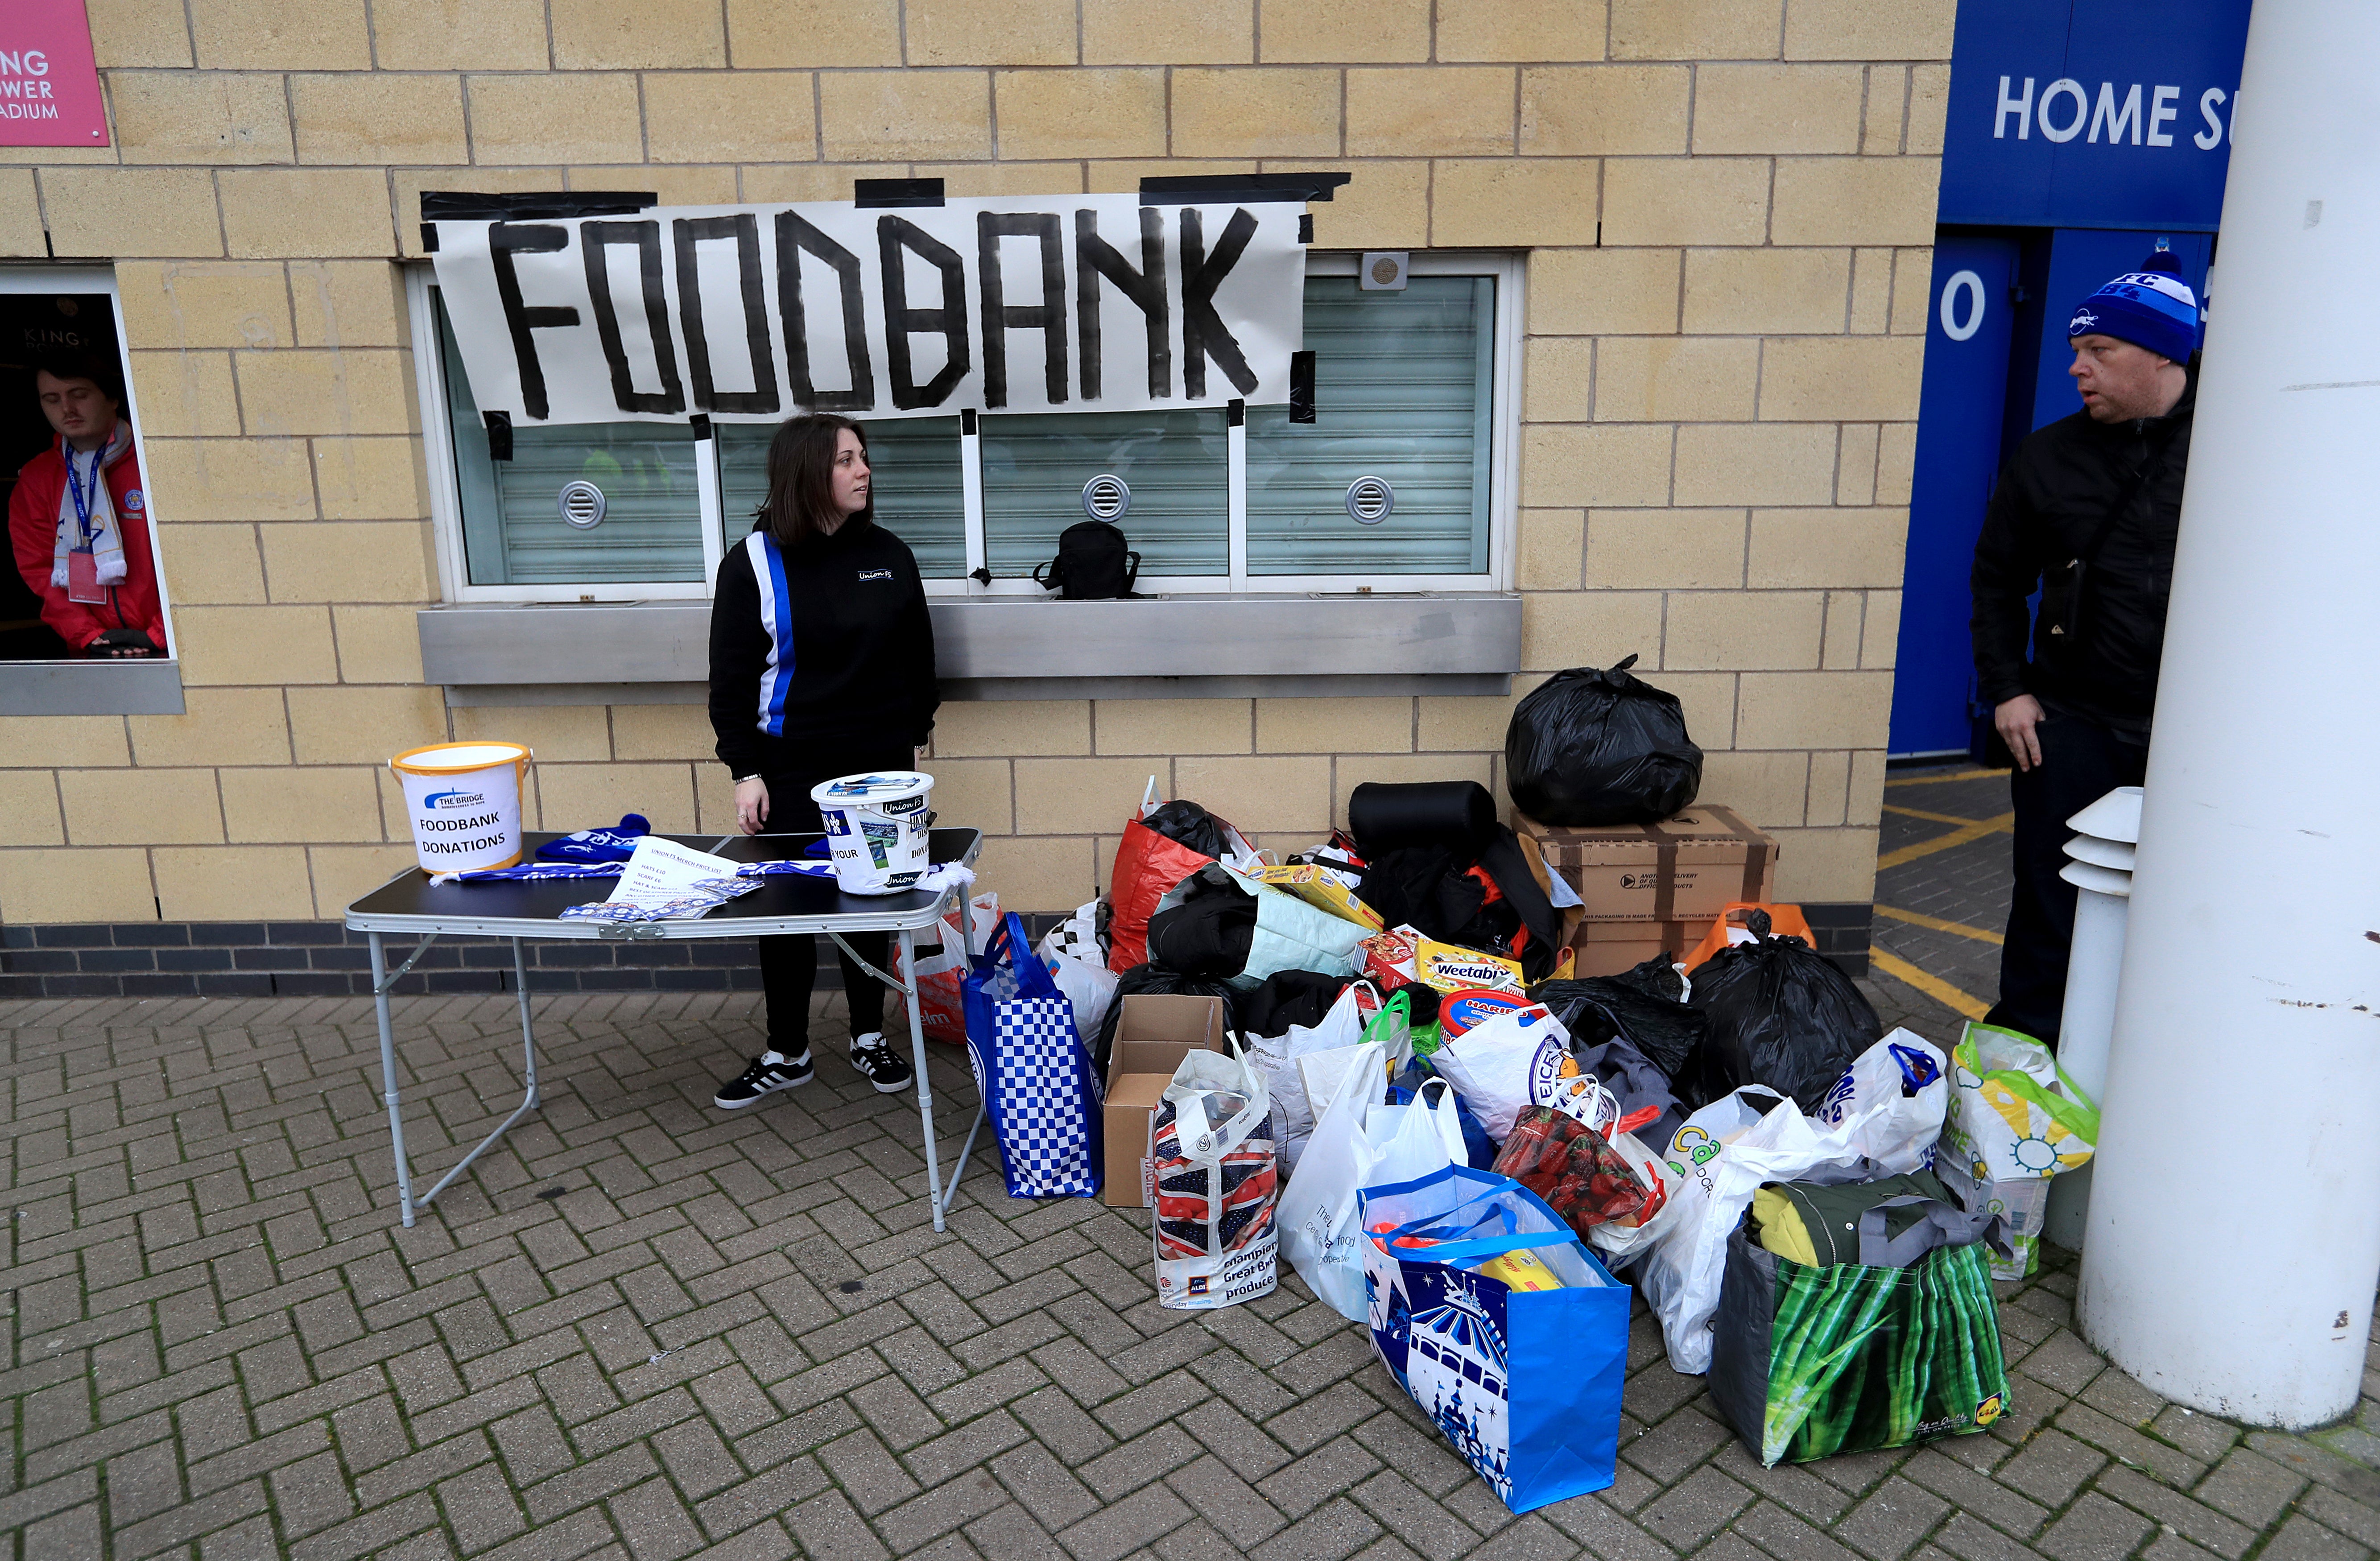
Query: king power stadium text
[23, 93]
[2066, 109]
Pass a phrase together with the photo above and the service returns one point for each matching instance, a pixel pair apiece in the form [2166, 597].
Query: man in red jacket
[78, 520]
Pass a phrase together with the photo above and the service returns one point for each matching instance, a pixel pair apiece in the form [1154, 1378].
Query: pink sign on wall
[49, 84]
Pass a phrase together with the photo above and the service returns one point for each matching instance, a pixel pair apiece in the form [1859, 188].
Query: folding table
[794, 904]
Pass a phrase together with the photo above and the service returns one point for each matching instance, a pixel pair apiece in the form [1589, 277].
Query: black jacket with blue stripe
[821, 647]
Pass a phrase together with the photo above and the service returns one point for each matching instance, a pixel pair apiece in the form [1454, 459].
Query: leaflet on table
[660, 869]
[666, 881]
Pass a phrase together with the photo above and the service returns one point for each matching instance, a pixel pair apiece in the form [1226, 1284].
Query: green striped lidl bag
[1810, 1361]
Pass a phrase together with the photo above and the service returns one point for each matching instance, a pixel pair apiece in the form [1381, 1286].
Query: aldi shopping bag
[1894, 1350]
[1501, 1326]
[2015, 1120]
[941, 977]
[1212, 1146]
[1033, 1071]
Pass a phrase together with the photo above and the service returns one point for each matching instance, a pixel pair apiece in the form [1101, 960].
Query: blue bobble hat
[2152, 308]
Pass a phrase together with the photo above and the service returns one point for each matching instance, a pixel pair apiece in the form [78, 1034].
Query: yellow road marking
[1933, 986]
[1937, 780]
[1916, 918]
[1933, 817]
[1974, 831]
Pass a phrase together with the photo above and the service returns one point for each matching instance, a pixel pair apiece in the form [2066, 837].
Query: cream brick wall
[1727, 205]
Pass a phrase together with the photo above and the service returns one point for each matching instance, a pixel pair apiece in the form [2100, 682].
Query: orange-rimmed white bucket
[464, 801]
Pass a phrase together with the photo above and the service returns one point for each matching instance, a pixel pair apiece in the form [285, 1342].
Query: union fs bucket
[876, 828]
[464, 799]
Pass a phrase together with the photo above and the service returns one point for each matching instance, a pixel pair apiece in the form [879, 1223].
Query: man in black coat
[2086, 513]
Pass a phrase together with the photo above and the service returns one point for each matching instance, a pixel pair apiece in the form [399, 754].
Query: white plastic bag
[1495, 1066]
[1416, 1140]
[1071, 951]
[1317, 1208]
[1909, 1078]
[1723, 1156]
[1621, 1239]
[1276, 1058]
[1218, 1184]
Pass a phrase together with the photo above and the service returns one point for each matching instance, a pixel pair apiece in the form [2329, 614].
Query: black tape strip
[500, 434]
[700, 423]
[520, 206]
[1306, 227]
[869, 194]
[1301, 387]
[1201, 189]
[429, 238]
[966, 421]
[1665, 882]
[1238, 412]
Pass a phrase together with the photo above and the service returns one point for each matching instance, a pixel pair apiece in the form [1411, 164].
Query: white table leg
[529, 1068]
[382, 982]
[925, 1090]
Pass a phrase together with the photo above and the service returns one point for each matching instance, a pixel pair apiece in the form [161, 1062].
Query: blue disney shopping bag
[1505, 1329]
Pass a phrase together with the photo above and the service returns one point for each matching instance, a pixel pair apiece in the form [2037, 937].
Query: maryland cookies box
[1153, 1035]
[1688, 868]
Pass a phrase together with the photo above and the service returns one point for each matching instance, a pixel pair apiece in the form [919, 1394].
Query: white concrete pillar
[2234, 1231]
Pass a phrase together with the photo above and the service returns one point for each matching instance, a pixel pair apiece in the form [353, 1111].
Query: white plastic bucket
[876, 829]
[464, 801]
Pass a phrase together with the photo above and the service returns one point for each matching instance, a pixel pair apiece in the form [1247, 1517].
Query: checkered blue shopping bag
[1035, 1075]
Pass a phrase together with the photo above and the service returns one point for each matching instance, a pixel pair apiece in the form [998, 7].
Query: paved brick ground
[645, 1329]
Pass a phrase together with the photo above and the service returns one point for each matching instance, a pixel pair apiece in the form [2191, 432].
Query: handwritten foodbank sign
[751, 313]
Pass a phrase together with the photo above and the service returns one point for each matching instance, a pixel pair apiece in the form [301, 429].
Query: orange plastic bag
[1784, 921]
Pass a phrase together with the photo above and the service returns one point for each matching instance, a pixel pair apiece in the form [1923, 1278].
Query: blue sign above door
[2087, 114]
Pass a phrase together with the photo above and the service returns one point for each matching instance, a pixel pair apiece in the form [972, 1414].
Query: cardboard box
[1687, 868]
[1153, 1035]
[1608, 947]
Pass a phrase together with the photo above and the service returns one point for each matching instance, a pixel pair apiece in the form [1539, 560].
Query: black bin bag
[1591, 747]
[1606, 1007]
[1781, 1015]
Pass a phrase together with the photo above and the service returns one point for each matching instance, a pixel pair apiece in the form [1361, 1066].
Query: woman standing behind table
[821, 665]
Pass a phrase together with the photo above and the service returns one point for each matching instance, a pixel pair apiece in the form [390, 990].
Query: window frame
[1505, 268]
[39, 277]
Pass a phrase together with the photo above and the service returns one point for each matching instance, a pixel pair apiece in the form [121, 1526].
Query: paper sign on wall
[49, 84]
[1092, 302]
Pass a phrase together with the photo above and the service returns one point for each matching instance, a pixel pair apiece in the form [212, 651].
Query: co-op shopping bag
[1211, 1145]
[1501, 1326]
[1900, 1347]
[1033, 1071]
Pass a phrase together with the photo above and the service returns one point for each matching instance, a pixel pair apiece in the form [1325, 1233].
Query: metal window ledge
[91, 688]
[1014, 647]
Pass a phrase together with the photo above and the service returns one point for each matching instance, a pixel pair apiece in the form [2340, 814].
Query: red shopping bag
[942, 977]
[1150, 862]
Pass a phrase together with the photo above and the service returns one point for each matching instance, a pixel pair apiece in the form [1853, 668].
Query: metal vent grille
[1106, 497]
[581, 503]
[1369, 500]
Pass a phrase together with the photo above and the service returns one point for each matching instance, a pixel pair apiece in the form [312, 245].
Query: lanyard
[82, 502]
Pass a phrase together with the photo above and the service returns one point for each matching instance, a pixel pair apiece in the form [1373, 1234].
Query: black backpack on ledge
[1093, 565]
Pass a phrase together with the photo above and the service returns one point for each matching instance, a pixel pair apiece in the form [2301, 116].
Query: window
[65, 318]
[1403, 481]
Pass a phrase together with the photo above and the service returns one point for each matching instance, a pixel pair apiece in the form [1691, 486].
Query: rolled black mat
[1389, 816]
